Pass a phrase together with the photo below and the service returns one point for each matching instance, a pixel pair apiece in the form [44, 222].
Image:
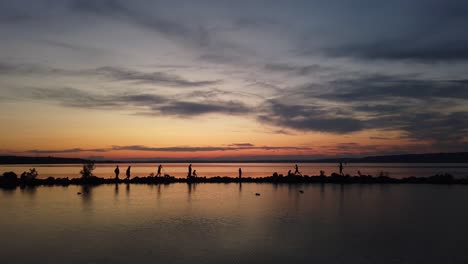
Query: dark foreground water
[228, 223]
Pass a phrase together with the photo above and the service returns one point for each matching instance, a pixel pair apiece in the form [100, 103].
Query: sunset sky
[232, 79]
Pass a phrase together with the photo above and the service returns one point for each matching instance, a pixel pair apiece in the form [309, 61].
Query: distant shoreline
[10, 180]
[456, 157]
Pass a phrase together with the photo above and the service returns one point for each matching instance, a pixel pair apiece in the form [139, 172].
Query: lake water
[228, 223]
[249, 169]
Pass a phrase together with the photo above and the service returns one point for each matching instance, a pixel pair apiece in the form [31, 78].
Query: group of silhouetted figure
[127, 173]
[193, 174]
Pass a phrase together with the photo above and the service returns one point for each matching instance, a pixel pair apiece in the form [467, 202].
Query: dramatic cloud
[234, 147]
[308, 118]
[192, 108]
[150, 78]
[141, 104]
[210, 148]
[112, 73]
[424, 110]
[295, 69]
[62, 151]
[383, 70]
[241, 145]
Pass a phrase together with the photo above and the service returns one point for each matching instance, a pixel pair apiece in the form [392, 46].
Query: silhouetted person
[117, 172]
[297, 170]
[159, 171]
[289, 173]
[240, 173]
[195, 173]
[341, 168]
[189, 171]
[128, 172]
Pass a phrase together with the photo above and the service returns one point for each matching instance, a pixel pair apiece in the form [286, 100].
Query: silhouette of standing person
[159, 171]
[128, 172]
[240, 173]
[341, 168]
[297, 170]
[117, 172]
[189, 171]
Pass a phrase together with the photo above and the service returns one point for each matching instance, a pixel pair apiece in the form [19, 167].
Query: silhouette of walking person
[297, 170]
[240, 173]
[189, 171]
[128, 173]
[117, 172]
[159, 171]
[341, 168]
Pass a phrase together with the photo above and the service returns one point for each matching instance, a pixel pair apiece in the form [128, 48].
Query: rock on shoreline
[11, 180]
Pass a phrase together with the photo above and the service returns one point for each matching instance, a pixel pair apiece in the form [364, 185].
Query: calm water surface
[228, 223]
[249, 169]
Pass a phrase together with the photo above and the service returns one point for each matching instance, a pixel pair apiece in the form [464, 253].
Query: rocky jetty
[11, 180]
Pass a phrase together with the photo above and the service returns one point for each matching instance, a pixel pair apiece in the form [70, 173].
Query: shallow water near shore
[228, 223]
[395, 170]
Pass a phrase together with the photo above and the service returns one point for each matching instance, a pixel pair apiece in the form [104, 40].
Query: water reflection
[191, 187]
[159, 191]
[29, 190]
[86, 196]
[324, 224]
[116, 190]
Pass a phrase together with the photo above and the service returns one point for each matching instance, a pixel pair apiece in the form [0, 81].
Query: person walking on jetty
[128, 173]
[240, 173]
[296, 172]
[159, 171]
[117, 172]
[189, 171]
[341, 168]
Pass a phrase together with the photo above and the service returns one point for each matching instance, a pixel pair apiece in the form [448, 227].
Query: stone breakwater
[11, 180]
